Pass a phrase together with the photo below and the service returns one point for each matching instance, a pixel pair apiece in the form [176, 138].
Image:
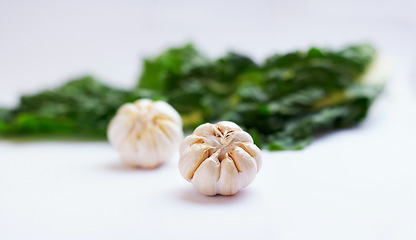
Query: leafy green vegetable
[195, 86]
[81, 107]
[283, 103]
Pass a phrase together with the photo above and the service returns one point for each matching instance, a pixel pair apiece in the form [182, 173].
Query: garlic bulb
[146, 133]
[219, 158]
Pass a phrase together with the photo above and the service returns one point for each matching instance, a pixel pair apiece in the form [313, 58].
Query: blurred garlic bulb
[219, 158]
[146, 133]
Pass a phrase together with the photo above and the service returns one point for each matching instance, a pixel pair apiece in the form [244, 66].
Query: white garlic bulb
[146, 133]
[219, 158]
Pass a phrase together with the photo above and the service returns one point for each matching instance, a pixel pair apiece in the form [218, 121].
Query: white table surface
[353, 184]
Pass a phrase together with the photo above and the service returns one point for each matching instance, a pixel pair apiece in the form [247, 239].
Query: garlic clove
[254, 151]
[167, 111]
[206, 176]
[128, 109]
[227, 126]
[170, 129]
[147, 154]
[228, 183]
[139, 153]
[116, 136]
[162, 145]
[205, 130]
[190, 140]
[191, 159]
[242, 136]
[246, 166]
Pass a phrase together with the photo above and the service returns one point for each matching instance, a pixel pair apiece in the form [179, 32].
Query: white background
[352, 184]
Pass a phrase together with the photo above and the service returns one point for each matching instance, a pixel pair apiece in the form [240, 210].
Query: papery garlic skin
[219, 158]
[146, 132]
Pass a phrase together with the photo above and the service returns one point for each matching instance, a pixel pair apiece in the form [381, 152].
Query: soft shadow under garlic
[118, 166]
[193, 196]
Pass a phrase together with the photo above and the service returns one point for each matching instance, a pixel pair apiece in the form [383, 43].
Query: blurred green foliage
[81, 107]
[283, 103]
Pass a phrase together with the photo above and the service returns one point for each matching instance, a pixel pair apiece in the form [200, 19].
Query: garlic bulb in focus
[146, 133]
[219, 158]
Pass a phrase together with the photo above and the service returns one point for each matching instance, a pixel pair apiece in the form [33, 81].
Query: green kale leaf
[284, 102]
[82, 107]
